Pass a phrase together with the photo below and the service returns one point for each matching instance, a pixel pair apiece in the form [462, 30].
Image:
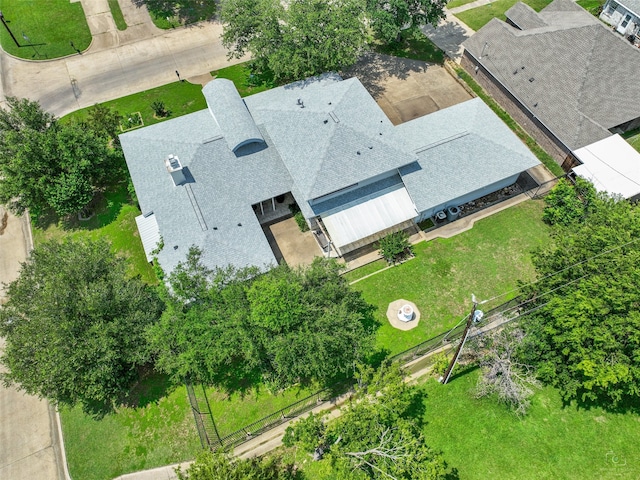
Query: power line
[562, 270]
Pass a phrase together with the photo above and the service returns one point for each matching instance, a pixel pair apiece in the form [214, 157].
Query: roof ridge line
[441, 142]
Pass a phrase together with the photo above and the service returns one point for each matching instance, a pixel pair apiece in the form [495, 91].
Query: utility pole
[470, 321]
[4, 22]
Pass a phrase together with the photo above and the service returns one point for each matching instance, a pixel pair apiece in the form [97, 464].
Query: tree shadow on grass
[624, 406]
[184, 12]
[101, 211]
[150, 387]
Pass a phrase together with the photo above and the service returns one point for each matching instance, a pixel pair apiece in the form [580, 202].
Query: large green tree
[286, 325]
[301, 39]
[219, 466]
[390, 18]
[74, 325]
[377, 434]
[45, 164]
[584, 336]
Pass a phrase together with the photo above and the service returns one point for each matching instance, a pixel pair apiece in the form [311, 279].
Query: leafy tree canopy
[218, 466]
[74, 325]
[287, 325]
[45, 164]
[390, 18]
[305, 38]
[377, 434]
[585, 337]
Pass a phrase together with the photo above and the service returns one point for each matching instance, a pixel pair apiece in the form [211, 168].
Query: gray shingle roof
[231, 114]
[460, 149]
[319, 140]
[310, 152]
[574, 74]
[222, 189]
[524, 17]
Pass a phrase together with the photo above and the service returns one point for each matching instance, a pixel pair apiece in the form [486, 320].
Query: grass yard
[168, 15]
[232, 412]
[487, 260]
[159, 432]
[179, 98]
[116, 223]
[246, 83]
[458, 3]
[116, 13]
[478, 17]
[483, 439]
[49, 25]
[416, 46]
[594, 7]
[633, 138]
[536, 149]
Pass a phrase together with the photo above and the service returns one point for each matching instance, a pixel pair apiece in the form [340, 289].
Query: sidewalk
[118, 63]
[450, 34]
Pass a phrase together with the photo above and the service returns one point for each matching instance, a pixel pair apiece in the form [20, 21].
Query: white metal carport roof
[612, 165]
[149, 233]
[361, 219]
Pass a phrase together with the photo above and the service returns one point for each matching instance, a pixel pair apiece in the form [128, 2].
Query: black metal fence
[205, 422]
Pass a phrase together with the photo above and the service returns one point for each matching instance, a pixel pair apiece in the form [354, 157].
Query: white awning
[149, 233]
[368, 216]
[612, 165]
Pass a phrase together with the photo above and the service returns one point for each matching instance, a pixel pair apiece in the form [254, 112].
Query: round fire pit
[403, 314]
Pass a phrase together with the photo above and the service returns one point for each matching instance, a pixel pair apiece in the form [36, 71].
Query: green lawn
[594, 7]
[49, 25]
[116, 12]
[246, 83]
[416, 46]
[458, 3]
[483, 439]
[536, 149]
[633, 138]
[115, 222]
[179, 98]
[477, 17]
[487, 260]
[365, 270]
[160, 432]
[232, 412]
[167, 15]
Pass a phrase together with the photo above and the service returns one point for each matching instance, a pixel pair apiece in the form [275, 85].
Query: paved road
[117, 63]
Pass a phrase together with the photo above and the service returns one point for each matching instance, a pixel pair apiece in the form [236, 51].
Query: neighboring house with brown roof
[564, 76]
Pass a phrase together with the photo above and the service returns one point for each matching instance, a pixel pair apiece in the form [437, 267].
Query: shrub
[299, 217]
[159, 109]
[395, 247]
[440, 363]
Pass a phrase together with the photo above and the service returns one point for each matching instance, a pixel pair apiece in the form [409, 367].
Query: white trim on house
[612, 165]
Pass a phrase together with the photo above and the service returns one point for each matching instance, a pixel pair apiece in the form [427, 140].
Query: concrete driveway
[30, 445]
[406, 89]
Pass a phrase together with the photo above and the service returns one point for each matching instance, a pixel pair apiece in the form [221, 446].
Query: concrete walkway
[450, 34]
[117, 63]
[469, 6]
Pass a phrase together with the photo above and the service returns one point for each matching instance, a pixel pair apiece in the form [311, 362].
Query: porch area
[276, 208]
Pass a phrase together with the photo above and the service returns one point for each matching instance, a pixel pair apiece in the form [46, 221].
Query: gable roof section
[565, 73]
[319, 140]
[524, 17]
[631, 5]
[461, 149]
